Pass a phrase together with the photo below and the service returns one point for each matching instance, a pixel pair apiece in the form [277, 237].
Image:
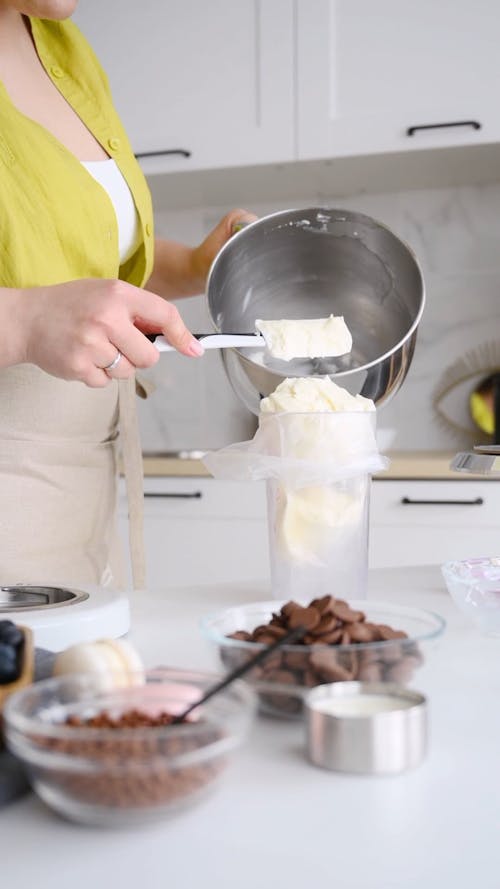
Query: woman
[81, 281]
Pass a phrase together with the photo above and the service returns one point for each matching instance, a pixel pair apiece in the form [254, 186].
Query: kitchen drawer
[435, 503]
[199, 531]
[186, 498]
[430, 522]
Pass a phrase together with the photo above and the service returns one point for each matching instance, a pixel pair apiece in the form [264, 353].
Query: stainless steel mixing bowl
[310, 264]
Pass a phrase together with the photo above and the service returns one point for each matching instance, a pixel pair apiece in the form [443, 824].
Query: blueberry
[9, 633]
[5, 624]
[9, 670]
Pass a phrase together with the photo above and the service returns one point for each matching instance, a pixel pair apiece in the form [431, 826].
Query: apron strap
[133, 468]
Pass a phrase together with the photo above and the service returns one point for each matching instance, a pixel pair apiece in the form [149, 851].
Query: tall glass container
[318, 539]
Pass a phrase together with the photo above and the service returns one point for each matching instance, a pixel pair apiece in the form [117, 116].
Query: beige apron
[58, 480]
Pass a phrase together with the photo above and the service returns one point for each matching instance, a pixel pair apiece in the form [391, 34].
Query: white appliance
[60, 617]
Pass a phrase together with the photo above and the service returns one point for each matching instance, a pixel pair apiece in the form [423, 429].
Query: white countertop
[403, 465]
[278, 821]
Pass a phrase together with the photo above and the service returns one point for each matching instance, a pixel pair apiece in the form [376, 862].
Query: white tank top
[108, 174]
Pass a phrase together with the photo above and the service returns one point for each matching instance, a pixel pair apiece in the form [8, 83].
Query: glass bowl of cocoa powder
[343, 641]
[110, 756]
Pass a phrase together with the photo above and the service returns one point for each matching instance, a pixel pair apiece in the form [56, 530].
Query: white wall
[455, 233]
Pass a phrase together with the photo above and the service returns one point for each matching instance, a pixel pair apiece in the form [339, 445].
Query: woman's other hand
[205, 253]
[180, 270]
[75, 330]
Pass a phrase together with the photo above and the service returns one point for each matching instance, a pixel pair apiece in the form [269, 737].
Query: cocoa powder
[127, 772]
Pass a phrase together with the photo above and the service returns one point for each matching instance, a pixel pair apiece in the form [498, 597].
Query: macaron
[116, 660]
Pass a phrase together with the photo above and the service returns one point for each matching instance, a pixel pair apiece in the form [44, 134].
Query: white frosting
[308, 338]
[306, 516]
[313, 395]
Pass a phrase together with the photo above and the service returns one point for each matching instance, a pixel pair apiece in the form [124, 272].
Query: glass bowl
[282, 681]
[474, 586]
[112, 776]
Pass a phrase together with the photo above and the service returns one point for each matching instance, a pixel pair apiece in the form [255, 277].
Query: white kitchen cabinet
[211, 83]
[226, 84]
[429, 522]
[200, 531]
[395, 75]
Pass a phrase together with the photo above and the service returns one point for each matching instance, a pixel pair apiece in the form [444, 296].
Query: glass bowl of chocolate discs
[360, 640]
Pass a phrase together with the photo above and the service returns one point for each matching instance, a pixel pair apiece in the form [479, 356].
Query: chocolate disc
[327, 624]
[304, 617]
[344, 612]
[362, 632]
[324, 604]
[325, 663]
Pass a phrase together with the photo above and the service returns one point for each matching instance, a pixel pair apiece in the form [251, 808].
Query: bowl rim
[449, 569]
[28, 726]
[360, 604]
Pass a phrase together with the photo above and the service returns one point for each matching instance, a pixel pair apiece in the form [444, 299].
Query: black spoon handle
[199, 336]
[292, 636]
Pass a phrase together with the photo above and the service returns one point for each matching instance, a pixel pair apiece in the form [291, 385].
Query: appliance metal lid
[94, 612]
[12, 598]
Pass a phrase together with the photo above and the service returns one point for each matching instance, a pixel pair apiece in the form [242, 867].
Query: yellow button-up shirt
[57, 223]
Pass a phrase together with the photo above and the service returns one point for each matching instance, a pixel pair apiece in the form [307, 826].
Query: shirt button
[114, 143]
[148, 229]
[56, 71]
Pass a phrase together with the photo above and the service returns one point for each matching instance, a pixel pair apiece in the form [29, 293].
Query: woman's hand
[75, 330]
[182, 271]
[205, 253]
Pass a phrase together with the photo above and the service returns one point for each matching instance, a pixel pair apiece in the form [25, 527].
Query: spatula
[214, 341]
[283, 339]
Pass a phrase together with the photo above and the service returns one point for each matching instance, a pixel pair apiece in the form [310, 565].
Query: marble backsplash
[455, 233]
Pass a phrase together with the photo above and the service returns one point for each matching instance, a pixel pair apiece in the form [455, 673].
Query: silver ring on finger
[114, 363]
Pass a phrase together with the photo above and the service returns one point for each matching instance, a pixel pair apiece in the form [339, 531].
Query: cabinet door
[210, 82]
[395, 75]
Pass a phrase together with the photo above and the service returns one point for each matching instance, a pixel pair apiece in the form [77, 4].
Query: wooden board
[27, 669]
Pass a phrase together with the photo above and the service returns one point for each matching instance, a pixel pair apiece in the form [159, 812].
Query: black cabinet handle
[438, 126]
[182, 151]
[175, 495]
[478, 501]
